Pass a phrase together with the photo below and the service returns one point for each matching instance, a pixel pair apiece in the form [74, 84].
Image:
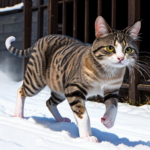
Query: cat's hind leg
[19, 109]
[52, 103]
[33, 83]
[22, 93]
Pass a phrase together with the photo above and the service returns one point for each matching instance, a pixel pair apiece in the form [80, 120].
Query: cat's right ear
[101, 27]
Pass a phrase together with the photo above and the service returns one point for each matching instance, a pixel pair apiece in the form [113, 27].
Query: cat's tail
[17, 52]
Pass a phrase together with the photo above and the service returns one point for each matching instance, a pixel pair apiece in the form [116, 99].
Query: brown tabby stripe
[79, 87]
[76, 93]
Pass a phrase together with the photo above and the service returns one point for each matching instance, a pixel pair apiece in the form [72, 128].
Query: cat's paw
[64, 120]
[20, 116]
[109, 117]
[90, 139]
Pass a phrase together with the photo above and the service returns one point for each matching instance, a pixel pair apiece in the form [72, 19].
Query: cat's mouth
[120, 64]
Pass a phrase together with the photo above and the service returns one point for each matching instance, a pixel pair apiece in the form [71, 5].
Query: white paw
[20, 115]
[90, 139]
[109, 117]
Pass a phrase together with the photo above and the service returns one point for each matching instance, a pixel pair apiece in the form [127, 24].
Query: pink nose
[120, 58]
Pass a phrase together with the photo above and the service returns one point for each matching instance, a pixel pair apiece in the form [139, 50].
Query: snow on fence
[15, 7]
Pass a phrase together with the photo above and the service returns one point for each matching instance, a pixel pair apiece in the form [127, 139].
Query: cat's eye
[110, 48]
[128, 50]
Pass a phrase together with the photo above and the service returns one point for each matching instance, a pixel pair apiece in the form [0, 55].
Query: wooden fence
[134, 85]
[6, 3]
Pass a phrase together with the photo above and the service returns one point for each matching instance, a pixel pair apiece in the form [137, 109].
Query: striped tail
[14, 51]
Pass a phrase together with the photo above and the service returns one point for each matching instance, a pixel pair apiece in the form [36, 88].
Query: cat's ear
[101, 27]
[134, 30]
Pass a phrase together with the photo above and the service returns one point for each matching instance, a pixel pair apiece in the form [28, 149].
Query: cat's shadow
[73, 130]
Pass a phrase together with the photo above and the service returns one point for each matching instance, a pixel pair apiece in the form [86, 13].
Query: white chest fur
[99, 88]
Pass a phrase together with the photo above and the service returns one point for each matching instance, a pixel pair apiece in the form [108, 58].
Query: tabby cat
[77, 71]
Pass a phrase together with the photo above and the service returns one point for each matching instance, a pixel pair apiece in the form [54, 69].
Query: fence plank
[64, 17]
[15, 2]
[66, 1]
[10, 2]
[75, 18]
[40, 20]
[3, 3]
[52, 16]
[143, 87]
[86, 31]
[113, 15]
[99, 5]
[134, 77]
[26, 29]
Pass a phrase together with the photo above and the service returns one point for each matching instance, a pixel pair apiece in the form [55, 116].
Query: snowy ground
[40, 131]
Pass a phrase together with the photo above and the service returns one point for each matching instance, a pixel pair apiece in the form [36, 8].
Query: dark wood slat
[52, 17]
[134, 77]
[64, 17]
[3, 3]
[75, 18]
[113, 15]
[125, 86]
[15, 2]
[40, 2]
[99, 7]
[86, 31]
[43, 6]
[36, 7]
[6, 3]
[143, 87]
[140, 87]
[10, 2]
[40, 24]
[66, 1]
[27, 18]
[40, 21]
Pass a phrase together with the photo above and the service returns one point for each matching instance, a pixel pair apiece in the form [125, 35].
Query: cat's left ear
[134, 30]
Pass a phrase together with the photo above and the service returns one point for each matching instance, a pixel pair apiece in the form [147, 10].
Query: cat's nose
[120, 58]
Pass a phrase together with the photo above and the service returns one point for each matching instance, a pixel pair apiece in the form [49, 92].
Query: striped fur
[69, 67]
[75, 70]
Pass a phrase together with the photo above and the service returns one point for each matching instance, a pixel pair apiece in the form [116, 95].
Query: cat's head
[115, 47]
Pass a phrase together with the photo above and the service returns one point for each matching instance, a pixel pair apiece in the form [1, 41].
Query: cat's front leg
[76, 99]
[111, 111]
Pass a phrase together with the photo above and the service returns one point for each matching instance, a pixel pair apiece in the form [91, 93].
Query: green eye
[128, 50]
[110, 48]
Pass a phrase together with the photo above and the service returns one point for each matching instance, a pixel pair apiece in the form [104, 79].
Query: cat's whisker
[145, 56]
[144, 70]
[143, 65]
[139, 71]
[141, 61]
[107, 66]
[144, 52]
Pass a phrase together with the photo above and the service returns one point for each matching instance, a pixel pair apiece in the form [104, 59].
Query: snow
[40, 131]
[15, 7]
